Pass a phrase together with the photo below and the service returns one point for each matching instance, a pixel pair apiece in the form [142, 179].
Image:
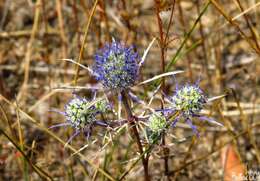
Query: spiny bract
[189, 100]
[116, 66]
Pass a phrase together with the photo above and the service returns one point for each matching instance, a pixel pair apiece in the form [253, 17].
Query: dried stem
[131, 120]
[163, 48]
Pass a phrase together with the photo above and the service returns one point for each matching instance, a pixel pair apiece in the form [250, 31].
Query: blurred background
[215, 41]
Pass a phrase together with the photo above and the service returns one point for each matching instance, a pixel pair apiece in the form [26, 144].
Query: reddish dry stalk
[45, 21]
[126, 19]
[97, 30]
[163, 44]
[131, 120]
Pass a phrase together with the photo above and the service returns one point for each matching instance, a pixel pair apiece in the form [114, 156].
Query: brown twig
[163, 48]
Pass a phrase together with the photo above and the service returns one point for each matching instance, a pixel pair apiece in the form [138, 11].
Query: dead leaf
[234, 169]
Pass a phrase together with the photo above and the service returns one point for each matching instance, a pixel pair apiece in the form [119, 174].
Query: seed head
[116, 66]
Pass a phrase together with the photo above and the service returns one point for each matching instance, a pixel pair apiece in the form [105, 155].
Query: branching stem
[131, 121]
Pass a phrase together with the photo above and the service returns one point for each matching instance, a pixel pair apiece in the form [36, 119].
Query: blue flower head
[116, 66]
[189, 101]
[81, 114]
[157, 122]
[156, 125]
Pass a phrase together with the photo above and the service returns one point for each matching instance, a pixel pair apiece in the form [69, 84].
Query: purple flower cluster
[116, 66]
[189, 101]
[81, 114]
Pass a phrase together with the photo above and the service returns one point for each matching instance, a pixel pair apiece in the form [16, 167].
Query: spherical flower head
[80, 113]
[116, 66]
[157, 122]
[156, 125]
[189, 100]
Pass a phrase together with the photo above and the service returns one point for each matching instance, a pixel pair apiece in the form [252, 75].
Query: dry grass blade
[37, 169]
[61, 28]
[45, 97]
[216, 98]
[161, 76]
[146, 52]
[84, 41]
[29, 52]
[229, 19]
[79, 65]
[204, 157]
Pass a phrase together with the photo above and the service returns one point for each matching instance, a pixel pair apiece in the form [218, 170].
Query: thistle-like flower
[157, 123]
[81, 114]
[116, 66]
[189, 101]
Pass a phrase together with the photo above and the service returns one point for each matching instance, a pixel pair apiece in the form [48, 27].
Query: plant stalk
[131, 121]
